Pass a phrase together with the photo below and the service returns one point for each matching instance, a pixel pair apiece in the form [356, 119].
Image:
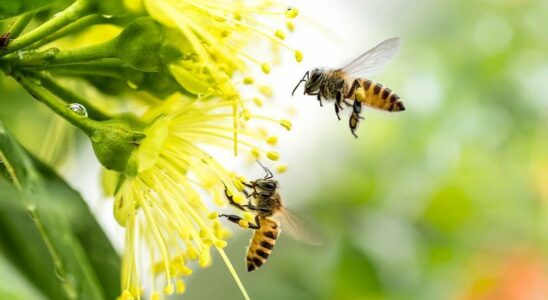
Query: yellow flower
[215, 33]
[164, 207]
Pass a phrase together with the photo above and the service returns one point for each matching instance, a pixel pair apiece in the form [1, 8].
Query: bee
[347, 85]
[265, 201]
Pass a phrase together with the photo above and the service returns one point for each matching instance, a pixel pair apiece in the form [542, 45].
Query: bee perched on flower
[154, 84]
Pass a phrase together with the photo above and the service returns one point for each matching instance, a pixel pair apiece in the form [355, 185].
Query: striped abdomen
[262, 243]
[375, 95]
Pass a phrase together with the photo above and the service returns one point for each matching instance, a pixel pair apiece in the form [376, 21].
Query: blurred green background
[448, 200]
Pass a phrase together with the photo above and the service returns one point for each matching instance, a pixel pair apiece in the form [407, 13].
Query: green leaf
[140, 44]
[10, 8]
[48, 233]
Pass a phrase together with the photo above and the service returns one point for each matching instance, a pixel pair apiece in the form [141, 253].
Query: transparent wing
[297, 228]
[374, 60]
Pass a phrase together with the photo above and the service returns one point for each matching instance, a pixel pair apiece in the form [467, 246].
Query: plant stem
[70, 97]
[58, 106]
[81, 24]
[20, 24]
[71, 14]
[53, 56]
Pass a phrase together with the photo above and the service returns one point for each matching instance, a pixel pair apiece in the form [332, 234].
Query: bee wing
[297, 228]
[375, 59]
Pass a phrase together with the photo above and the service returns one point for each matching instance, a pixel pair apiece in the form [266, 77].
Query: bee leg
[337, 111]
[320, 99]
[357, 107]
[241, 222]
[231, 200]
[355, 118]
[353, 124]
[256, 208]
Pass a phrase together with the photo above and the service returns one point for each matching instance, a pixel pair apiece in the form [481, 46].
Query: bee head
[267, 185]
[313, 82]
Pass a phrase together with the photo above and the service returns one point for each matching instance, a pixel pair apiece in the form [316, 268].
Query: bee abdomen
[262, 244]
[379, 96]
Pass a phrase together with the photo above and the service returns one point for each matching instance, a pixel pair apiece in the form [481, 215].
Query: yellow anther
[265, 90]
[192, 253]
[246, 115]
[282, 168]
[291, 12]
[290, 25]
[258, 101]
[220, 243]
[272, 155]
[298, 56]
[180, 286]
[238, 184]
[238, 198]
[155, 296]
[279, 34]
[272, 140]
[286, 124]
[248, 80]
[205, 258]
[212, 215]
[169, 289]
[265, 67]
[255, 152]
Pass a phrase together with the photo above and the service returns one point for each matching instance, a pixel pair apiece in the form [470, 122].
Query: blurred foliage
[51, 246]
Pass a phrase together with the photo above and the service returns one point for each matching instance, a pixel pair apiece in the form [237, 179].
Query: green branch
[81, 24]
[74, 12]
[35, 88]
[70, 97]
[19, 25]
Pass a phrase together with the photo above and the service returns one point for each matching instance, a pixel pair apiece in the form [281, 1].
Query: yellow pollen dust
[360, 94]
[248, 216]
[243, 223]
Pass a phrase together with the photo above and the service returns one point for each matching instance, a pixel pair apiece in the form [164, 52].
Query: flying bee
[265, 201]
[347, 85]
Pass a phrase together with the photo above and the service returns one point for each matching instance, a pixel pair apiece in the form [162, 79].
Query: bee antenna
[267, 170]
[300, 81]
